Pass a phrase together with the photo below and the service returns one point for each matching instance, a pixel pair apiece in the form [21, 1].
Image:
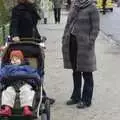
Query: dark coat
[83, 23]
[24, 20]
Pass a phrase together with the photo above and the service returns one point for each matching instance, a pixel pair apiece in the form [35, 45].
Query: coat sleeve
[35, 18]
[14, 23]
[36, 34]
[95, 24]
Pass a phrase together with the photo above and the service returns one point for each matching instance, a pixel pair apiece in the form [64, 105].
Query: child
[26, 92]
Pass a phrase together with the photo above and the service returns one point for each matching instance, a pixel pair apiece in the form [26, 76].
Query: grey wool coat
[83, 23]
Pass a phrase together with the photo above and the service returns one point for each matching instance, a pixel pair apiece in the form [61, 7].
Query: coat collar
[82, 3]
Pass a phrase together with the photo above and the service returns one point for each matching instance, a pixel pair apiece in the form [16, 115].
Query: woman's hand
[16, 39]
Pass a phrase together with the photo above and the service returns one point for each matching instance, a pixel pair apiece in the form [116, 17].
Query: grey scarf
[82, 3]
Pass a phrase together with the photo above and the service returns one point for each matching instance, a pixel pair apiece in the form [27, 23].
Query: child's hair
[17, 53]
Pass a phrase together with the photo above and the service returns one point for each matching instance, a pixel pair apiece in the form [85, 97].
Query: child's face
[16, 60]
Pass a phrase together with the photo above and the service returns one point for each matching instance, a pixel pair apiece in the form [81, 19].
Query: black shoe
[71, 102]
[81, 105]
[88, 104]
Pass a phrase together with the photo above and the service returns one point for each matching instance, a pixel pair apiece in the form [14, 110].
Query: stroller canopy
[32, 51]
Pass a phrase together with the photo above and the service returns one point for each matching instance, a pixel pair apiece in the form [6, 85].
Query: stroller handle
[30, 40]
[43, 39]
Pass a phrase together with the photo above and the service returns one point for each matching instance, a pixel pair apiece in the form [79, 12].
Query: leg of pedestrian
[76, 95]
[59, 14]
[55, 15]
[104, 6]
[88, 88]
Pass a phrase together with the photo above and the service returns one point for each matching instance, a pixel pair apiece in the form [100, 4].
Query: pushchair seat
[35, 57]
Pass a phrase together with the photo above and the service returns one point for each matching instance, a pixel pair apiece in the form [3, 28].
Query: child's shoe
[27, 111]
[6, 111]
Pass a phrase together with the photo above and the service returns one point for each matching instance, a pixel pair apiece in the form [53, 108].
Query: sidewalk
[58, 82]
[110, 24]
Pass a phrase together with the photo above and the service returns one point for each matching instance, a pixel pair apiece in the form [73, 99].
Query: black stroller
[35, 58]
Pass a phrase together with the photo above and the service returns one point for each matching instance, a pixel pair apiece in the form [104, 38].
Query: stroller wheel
[46, 114]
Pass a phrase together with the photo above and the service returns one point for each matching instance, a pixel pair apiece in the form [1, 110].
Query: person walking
[57, 4]
[78, 48]
[23, 25]
[45, 8]
[24, 21]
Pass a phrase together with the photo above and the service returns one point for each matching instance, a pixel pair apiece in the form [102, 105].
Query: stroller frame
[30, 49]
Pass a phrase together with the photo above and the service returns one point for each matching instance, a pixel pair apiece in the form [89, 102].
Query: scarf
[82, 3]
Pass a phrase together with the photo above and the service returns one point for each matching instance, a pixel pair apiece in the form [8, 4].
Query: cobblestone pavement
[58, 82]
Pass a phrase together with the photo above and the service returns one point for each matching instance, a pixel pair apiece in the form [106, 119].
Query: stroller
[34, 55]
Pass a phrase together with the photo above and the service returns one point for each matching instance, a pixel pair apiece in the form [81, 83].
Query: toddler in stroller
[25, 87]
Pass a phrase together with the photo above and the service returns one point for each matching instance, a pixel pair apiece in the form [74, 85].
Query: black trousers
[78, 94]
[104, 5]
[86, 94]
[57, 14]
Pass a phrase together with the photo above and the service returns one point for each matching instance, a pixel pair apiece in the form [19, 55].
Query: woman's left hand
[16, 39]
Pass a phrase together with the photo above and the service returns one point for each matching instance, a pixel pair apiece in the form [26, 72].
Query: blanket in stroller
[9, 71]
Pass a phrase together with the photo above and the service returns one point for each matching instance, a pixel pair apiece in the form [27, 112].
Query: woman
[104, 6]
[57, 4]
[24, 24]
[78, 47]
[24, 21]
[45, 9]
